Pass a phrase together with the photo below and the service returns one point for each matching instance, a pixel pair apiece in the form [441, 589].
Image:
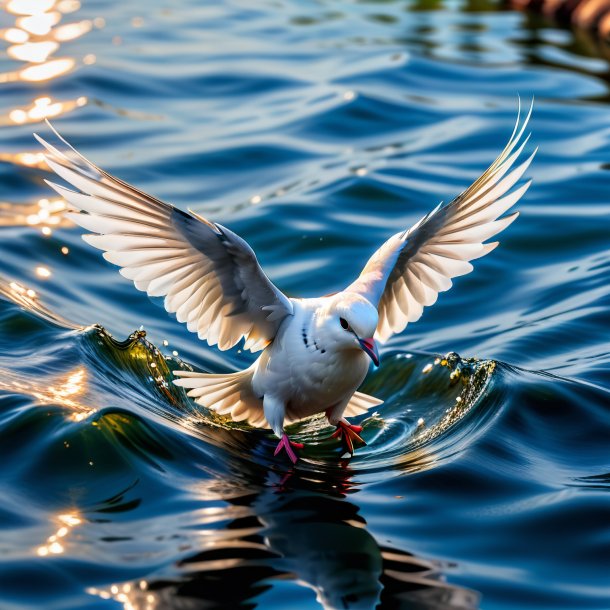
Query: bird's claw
[349, 433]
[286, 444]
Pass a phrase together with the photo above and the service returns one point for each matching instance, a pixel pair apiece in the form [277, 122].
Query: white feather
[438, 247]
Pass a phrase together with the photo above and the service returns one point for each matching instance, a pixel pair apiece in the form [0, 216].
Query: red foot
[348, 434]
[287, 444]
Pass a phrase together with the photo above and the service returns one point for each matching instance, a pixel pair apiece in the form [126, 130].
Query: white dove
[315, 351]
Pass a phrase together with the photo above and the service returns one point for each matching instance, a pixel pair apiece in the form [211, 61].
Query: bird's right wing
[412, 267]
[208, 275]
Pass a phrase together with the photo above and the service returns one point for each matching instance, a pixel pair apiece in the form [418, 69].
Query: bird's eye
[344, 324]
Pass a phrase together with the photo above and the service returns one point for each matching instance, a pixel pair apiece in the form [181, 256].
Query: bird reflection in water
[296, 529]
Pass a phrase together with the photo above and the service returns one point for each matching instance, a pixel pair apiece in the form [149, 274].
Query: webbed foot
[349, 433]
[287, 444]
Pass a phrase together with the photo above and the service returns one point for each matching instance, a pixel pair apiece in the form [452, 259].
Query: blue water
[315, 130]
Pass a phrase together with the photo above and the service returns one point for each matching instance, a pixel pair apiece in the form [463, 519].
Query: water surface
[313, 129]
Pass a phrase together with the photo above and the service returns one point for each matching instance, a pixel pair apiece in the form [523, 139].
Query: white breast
[306, 377]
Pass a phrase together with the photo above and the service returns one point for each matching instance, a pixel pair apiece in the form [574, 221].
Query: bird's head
[350, 322]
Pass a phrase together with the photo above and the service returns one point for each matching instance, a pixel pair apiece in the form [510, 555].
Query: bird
[315, 352]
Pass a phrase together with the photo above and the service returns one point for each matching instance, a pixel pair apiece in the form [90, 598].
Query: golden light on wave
[133, 596]
[26, 159]
[39, 24]
[43, 272]
[40, 109]
[39, 72]
[47, 70]
[68, 6]
[37, 35]
[63, 390]
[70, 31]
[14, 35]
[73, 385]
[45, 214]
[55, 544]
[27, 298]
[29, 7]
[35, 52]
[18, 288]
[70, 519]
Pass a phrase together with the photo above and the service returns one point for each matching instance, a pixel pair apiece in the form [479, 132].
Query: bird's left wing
[208, 275]
[413, 266]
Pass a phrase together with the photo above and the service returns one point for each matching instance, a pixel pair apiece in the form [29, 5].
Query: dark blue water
[315, 130]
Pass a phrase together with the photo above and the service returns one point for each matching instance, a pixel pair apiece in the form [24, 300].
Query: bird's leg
[274, 414]
[349, 433]
[286, 444]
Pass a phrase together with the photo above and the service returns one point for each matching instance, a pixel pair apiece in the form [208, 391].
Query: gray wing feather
[412, 267]
[209, 276]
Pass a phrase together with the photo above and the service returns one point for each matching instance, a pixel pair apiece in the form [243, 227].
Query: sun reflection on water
[28, 299]
[29, 7]
[55, 544]
[45, 215]
[34, 39]
[63, 390]
[133, 596]
[36, 52]
[41, 108]
[70, 31]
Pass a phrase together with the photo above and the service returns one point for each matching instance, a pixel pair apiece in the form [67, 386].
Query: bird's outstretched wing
[413, 266]
[208, 275]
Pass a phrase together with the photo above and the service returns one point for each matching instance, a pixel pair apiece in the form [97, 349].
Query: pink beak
[370, 347]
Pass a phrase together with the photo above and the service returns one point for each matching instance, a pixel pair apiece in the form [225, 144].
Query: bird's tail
[229, 394]
[360, 403]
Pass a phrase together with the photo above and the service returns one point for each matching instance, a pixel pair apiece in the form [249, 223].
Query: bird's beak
[370, 347]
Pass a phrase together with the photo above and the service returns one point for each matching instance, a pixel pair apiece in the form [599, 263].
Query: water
[314, 129]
